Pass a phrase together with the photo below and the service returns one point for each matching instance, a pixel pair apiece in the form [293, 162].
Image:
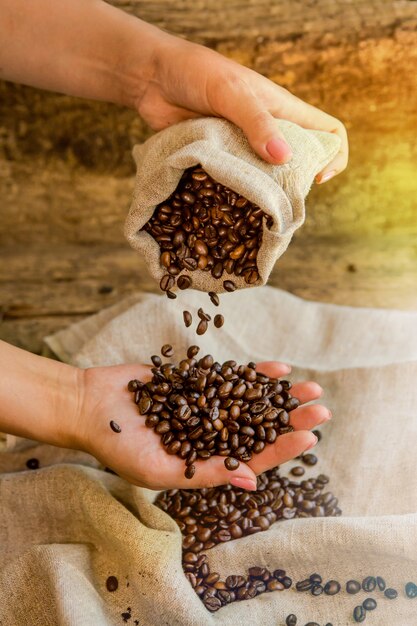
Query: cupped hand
[193, 81]
[137, 454]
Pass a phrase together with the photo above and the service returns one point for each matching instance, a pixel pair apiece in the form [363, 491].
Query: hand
[137, 455]
[191, 81]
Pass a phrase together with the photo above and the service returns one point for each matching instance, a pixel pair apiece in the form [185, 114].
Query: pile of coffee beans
[202, 408]
[207, 517]
[206, 226]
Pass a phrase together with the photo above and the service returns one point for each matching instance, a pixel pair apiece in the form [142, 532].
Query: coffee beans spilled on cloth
[202, 408]
[206, 226]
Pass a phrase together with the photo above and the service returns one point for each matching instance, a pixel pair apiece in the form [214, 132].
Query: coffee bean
[353, 586]
[167, 350]
[184, 282]
[190, 471]
[359, 613]
[115, 427]
[315, 578]
[275, 585]
[188, 319]
[231, 463]
[156, 360]
[369, 604]
[316, 589]
[291, 620]
[286, 581]
[312, 624]
[202, 327]
[234, 582]
[171, 295]
[380, 583]
[332, 587]
[309, 459]
[167, 282]
[298, 470]
[192, 351]
[390, 593]
[411, 590]
[304, 585]
[214, 298]
[318, 434]
[218, 321]
[112, 583]
[212, 603]
[32, 464]
[229, 285]
[369, 583]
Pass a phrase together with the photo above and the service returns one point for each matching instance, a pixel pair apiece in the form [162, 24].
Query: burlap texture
[67, 526]
[223, 151]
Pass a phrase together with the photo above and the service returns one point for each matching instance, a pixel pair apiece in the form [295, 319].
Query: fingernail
[326, 418]
[312, 444]
[243, 483]
[327, 177]
[279, 149]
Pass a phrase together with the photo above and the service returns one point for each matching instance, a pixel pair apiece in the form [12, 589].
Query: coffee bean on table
[315, 578]
[369, 604]
[332, 587]
[390, 593]
[171, 295]
[184, 282]
[167, 350]
[202, 327]
[115, 427]
[167, 282]
[112, 583]
[231, 463]
[298, 470]
[316, 589]
[304, 585]
[291, 620]
[218, 321]
[359, 613]
[309, 459]
[32, 464]
[203, 315]
[411, 590]
[369, 583]
[380, 583]
[353, 586]
[229, 285]
[188, 318]
[214, 298]
[312, 624]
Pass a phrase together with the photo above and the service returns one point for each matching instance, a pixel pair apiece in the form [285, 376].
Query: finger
[213, 472]
[273, 369]
[306, 392]
[308, 417]
[285, 448]
[295, 110]
[236, 102]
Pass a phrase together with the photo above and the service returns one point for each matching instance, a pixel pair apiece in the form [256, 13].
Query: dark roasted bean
[298, 470]
[390, 593]
[229, 285]
[202, 327]
[369, 604]
[411, 590]
[112, 583]
[353, 586]
[332, 587]
[369, 583]
[33, 464]
[359, 613]
[218, 321]
[380, 583]
[190, 471]
[115, 427]
[309, 459]
[291, 620]
[188, 319]
[167, 350]
[231, 463]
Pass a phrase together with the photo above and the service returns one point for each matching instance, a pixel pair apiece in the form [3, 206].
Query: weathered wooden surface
[46, 289]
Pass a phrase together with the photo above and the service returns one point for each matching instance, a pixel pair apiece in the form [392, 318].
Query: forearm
[39, 397]
[84, 48]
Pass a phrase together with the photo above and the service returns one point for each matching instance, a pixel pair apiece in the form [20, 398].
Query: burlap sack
[223, 151]
[68, 526]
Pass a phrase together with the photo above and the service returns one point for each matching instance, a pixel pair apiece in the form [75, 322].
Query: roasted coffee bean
[291, 620]
[359, 613]
[312, 624]
[167, 282]
[171, 295]
[32, 464]
[231, 463]
[318, 434]
[369, 583]
[218, 321]
[156, 360]
[353, 586]
[390, 593]
[115, 427]
[234, 582]
[202, 327]
[275, 585]
[214, 298]
[184, 282]
[229, 285]
[188, 319]
[304, 585]
[286, 581]
[369, 604]
[298, 470]
[190, 471]
[112, 583]
[212, 603]
[411, 590]
[316, 589]
[332, 587]
[309, 459]
[380, 583]
[192, 351]
[167, 350]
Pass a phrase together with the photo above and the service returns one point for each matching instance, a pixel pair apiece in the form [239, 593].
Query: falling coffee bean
[202, 327]
[115, 427]
[112, 583]
[214, 298]
[218, 321]
[188, 318]
[156, 360]
[167, 350]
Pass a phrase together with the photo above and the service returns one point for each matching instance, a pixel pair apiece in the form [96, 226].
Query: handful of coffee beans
[206, 226]
[202, 408]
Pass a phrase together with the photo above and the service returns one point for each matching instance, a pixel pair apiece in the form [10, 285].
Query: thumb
[239, 105]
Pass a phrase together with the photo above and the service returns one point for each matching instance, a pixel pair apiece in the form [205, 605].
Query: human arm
[90, 49]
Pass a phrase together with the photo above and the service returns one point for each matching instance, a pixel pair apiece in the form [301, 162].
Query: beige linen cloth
[224, 152]
[68, 526]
